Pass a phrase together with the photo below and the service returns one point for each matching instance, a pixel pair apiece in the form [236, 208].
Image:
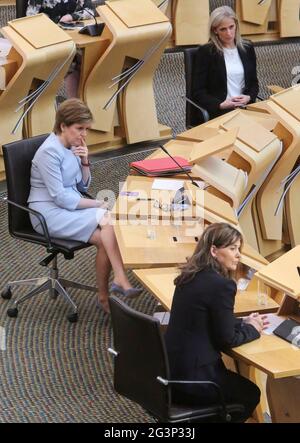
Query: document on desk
[5, 47]
[275, 321]
[167, 185]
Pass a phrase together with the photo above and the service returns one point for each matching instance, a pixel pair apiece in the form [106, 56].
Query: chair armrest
[275, 88]
[225, 413]
[40, 218]
[204, 111]
[87, 195]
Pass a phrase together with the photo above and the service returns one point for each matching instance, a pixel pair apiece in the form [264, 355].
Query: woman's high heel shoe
[130, 293]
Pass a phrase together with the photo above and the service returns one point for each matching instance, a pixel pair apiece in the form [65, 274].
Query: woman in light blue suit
[60, 172]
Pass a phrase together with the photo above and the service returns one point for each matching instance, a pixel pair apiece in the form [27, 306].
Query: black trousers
[235, 389]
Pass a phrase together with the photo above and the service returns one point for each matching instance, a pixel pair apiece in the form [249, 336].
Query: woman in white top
[224, 74]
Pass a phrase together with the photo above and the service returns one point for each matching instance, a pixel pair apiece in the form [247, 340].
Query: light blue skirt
[70, 225]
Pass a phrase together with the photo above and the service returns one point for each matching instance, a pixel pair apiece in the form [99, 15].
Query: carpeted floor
[52, 370]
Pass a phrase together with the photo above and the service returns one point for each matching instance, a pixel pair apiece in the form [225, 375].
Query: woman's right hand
[227, 104]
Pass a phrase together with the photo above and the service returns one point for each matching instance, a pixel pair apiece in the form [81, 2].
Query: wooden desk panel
[272, 355]
[282, 273]
[140, 251]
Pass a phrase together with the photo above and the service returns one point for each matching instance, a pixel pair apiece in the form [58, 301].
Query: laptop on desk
[289, 330]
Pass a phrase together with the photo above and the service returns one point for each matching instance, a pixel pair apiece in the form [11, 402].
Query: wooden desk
[142, 205]
[272, 355]
[170, 246]
[282, 274]
[159, 283]
[42, 54]
[8, 68]
[126, 42]
[281, 362]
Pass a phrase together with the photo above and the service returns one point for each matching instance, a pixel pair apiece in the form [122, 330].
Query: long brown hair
[220, 235]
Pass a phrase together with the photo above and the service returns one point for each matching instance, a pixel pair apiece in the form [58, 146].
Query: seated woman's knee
[106, 220]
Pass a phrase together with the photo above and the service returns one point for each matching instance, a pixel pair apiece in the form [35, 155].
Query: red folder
[161, 166]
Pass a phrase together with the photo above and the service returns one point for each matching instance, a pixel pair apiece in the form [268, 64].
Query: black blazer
[202, 324]
[209, 81]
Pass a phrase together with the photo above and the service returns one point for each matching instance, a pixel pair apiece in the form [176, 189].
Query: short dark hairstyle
[71, 111]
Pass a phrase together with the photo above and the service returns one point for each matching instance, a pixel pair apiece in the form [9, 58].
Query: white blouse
[235, 72]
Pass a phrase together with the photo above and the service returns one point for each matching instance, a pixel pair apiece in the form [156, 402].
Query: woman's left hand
[262, 320]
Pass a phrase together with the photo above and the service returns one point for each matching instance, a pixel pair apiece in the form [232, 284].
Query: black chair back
[194, 116]
[17, 161]
[141, 359]
[21, 7]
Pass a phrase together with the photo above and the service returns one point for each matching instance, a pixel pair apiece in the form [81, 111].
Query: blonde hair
[70, 112]
[216, 17]
[220, 235]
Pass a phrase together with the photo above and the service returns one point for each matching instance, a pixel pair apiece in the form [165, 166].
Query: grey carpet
[54, 371]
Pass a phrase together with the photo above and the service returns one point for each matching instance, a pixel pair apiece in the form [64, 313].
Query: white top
[235, 72]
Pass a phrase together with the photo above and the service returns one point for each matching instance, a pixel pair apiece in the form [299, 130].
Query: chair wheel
[72, 317]
[12, 312]
[6, 293]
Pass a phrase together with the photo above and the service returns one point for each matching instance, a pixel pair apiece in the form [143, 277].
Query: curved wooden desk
[128, 42]
[269, 223]
[43, 54]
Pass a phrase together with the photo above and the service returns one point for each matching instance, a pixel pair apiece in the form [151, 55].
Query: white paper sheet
[275, 321]
[167, 185]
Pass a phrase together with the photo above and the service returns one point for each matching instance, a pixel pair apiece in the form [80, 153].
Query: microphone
[183, 170]
[92, 30]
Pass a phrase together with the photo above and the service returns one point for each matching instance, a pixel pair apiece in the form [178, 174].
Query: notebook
[289, 330]
[161, 166]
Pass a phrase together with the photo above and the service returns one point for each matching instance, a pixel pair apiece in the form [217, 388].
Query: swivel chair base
[55, 285]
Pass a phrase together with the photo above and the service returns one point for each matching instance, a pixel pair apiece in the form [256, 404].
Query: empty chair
[195, 114]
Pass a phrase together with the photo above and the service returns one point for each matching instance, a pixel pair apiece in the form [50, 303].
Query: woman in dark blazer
[202, 323]
[224, 72]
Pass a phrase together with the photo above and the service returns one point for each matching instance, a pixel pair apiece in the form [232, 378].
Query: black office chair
[195, 114]
[141, 370]
[17, 162]
[21, 8]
